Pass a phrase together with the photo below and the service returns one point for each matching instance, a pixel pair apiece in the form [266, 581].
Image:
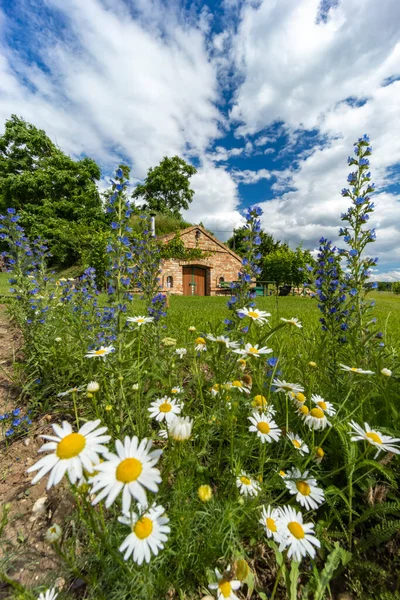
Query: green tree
[396, 287]
[287, 266]
[238, 243]
[55, 195]
[166, 188]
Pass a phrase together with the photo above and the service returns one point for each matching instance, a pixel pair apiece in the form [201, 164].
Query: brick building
[199, 277]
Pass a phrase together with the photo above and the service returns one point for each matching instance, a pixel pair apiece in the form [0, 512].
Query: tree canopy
[238, 244]
[55, 195]
[166, 188]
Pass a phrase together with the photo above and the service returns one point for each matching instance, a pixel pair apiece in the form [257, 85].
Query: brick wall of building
[220, 264]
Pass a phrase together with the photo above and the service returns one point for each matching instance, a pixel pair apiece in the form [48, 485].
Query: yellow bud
[205, 493]
[312, 364]
[108, 407]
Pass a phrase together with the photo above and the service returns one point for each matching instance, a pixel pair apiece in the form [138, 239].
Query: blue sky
[265, 97]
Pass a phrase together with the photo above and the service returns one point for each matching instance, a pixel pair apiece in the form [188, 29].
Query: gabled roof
[169, 236]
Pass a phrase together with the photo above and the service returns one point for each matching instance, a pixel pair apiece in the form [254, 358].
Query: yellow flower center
[139, 320]
[143, 527]
[200, 340]
[225, 588]
[270, 524]
[282, 473]
[100, 352]
[296, 443]
[317, 413]
[236, 383]
[253, 314]
[263, 427]
[312, 363]
[71, 445]
[245, 480]
[260, 401]
[303, 488]
[296, 530]
[304, 409]
[129, 470]
[320, 453]
[205, 493]
[354, 369]
[174, 391]
[219, 341]
[300, 397]
[322, 405]
[165, 407]
[374, 437]
[253, 350]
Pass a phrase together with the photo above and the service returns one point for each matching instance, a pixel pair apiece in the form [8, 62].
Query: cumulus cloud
[216, 201]
[249, 176]
[117, 86]
[317, 82]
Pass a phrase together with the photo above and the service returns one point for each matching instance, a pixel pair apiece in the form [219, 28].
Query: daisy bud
[192, 328]
[53, 534]
[135, 387]
[93, 387]
[180, 428]
[108, 407]
[312, 364]
[57, 339]
[386, 372]
[319, 454]
[205, 493]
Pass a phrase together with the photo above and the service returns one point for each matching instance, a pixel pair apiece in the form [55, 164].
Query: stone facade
[222, 265]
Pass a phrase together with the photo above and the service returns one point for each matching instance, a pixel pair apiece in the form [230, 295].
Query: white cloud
[216, 201]
[249, 176]
[118, 87]
[302, 72]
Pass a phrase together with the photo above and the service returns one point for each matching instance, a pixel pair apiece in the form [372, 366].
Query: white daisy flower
[226, 586]
[102, 352]
[140, 320]
[148, 534]
[49, 595]
[298, 443]
[247, 486]
[192, 328]
[297, 537]
[265, 428]
[386, 372]
[281, 385]
[375, 438]
[250, 350]
[74, 390]
[355, 370]
[181, 352]
[176, 390]
[164, 409]
[163, 434]
[259, 316]
[201, 344]
[293, 321]
[316, 419]
[305, 488]
[240, 386]
[268, 519]
[223, 340]
[72, 452]
[180, 428]
[327, 407]
[129, 471]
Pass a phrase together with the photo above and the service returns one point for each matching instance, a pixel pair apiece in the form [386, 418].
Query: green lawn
[4, 285]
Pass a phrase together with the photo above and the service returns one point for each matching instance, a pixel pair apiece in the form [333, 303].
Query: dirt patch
[27, 511]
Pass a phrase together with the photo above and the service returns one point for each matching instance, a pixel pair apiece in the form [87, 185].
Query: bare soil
[25, 557]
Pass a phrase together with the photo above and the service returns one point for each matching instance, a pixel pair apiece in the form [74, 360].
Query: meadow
[236, 447]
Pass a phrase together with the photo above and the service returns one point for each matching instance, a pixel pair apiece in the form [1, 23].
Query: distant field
[206, 313]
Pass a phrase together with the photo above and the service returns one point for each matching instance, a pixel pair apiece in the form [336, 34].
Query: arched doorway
[194, 281]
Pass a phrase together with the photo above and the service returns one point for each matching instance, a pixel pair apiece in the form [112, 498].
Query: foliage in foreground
[223, 450]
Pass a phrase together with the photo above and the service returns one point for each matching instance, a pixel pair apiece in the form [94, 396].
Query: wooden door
[194, 281]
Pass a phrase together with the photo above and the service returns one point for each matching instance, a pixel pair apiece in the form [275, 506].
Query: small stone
[27, 441]
[40, 506]
[59, 583]
[48, 417]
